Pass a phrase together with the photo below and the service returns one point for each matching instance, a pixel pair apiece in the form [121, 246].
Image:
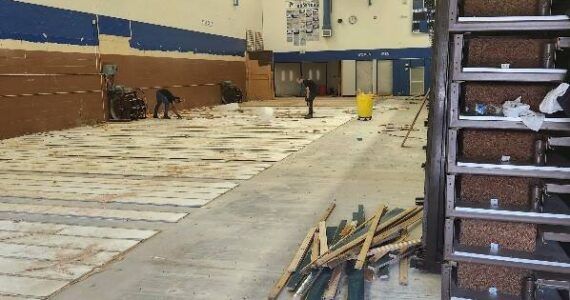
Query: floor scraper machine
[125, 104]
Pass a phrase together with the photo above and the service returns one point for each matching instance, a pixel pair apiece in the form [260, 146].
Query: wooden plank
[42, 269]
[369, 237]
[73, 230]
[280, 284]
[386, 225]
[13, 285]
[302, 250]
[90, 257]
[315, 247]
[92, 212]
[71, 242]
[332, 288]
[323, 241]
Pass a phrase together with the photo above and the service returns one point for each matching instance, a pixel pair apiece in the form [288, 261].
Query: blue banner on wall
[37, 23]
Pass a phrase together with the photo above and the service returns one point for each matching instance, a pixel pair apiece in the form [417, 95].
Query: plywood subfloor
[151, 171]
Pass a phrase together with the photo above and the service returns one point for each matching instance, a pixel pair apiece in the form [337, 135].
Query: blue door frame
[401, 77]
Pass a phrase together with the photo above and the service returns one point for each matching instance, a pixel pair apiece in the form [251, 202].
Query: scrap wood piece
[351, 254]
[315, 247]
[323, 241]
[302, 250]
[404, 265]
[319, 285]
[355, 282]
[379, 252]
[332, 289]
[369, 237]
[405, 215]
[338, 233]
[280, 284]
[306, 285]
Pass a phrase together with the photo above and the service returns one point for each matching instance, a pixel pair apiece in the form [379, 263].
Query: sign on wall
[303, 21]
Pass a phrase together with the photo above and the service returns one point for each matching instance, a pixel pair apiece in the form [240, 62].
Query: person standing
[311, 91]
[164, 96]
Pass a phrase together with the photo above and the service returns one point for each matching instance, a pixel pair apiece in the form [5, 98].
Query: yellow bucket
[364, 106]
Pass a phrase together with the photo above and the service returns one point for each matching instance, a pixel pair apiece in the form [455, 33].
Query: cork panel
[480, 278]
[494, 8]
[494, 51]
[508, 235]
[497, 94]
[511, 191]
[491, 145]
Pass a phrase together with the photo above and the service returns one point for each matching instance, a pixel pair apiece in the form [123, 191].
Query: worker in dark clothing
[164, 96]
[311, 91]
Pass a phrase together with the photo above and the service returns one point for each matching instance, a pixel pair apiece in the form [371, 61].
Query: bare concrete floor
[236, 246]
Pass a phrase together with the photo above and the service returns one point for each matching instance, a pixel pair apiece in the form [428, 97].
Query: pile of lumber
[330, 256]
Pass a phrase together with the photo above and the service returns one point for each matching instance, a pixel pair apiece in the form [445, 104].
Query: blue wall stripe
[114, 26]
[36, 23]
[154, 37]
[322, 56]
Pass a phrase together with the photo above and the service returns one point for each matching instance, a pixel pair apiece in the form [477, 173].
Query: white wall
[226, 19]
[385, 24]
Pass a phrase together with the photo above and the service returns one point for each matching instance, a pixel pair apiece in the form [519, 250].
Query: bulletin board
[303, 21]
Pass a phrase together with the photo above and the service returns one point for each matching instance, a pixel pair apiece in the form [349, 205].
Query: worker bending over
[164, 96]
[311, 91]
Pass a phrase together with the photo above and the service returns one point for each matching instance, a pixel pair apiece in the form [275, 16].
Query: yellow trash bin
[364, 106]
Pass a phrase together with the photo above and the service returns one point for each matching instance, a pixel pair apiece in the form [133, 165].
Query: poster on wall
[303, 21]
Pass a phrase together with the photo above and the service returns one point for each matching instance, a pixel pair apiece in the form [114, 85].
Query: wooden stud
[280, 284]
[315, 247]
[323, 241]
[369, 237]
[302, 250]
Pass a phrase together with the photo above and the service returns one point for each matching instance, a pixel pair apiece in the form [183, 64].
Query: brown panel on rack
[508, 235]
[498, 93]
[482, 277]
[491, 145]
[494, 51]
[510, 191]
[138, 71]
[492, 8]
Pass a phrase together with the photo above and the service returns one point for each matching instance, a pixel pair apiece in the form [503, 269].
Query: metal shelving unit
[548, 210]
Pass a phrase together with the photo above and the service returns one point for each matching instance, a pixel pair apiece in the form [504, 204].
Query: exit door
[401, 69]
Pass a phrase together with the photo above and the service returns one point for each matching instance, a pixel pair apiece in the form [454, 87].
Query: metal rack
[548, 211]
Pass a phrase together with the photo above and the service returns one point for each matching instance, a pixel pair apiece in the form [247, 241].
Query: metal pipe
[548, 58]
[536, 200]
[540, 153]
[544, 7]
[529, 289]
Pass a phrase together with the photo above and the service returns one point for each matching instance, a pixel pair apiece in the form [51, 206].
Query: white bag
[550, 103]
[513, 109]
